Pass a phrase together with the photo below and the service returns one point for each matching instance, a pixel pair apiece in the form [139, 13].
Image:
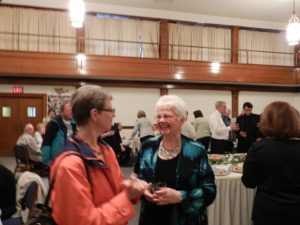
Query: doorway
[16, 110]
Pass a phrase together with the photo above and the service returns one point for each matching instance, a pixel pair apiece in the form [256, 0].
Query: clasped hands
[135, 188]
[163, 196]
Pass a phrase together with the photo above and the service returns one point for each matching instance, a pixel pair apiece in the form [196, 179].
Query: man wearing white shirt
[220, 143]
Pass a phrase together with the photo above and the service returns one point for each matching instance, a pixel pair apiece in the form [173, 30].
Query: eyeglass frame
[112, 110]
[164, 117]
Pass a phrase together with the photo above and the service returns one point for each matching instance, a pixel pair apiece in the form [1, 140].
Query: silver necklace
[170, 153]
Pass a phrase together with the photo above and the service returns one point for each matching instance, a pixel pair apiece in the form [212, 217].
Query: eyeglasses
[164, 117]
[112, 110]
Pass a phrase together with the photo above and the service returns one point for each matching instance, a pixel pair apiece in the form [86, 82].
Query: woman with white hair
[182, 179]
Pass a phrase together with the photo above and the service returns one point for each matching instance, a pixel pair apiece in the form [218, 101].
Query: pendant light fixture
[77, 12]
[293, 28]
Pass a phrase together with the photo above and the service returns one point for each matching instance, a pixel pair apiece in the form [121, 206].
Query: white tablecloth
[233, 203]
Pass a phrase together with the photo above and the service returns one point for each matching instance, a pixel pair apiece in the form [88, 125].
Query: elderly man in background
[57, 131]
[220, 133]
[27, 139]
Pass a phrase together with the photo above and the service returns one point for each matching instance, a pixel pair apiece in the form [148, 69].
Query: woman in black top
[273, 167]
[177, 166]
[7, 193]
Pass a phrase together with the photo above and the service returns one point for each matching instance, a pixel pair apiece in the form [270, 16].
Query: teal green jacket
[55, 138]
[195, 179]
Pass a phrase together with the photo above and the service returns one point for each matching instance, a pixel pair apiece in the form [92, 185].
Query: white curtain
[199, 43]
[269, 48]
[121, 37]
[36, 30]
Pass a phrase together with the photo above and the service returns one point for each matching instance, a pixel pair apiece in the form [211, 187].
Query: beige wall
[128, 101]
[202, 99]
[261, 99]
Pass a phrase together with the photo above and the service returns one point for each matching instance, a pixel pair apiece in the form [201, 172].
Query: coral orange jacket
[75, 201]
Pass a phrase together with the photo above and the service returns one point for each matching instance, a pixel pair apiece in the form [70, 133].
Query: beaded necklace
[169, 153]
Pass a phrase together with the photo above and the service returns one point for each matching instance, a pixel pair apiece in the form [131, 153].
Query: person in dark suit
[7, 193]
[113, 138]
[249, 131]
[272, 166]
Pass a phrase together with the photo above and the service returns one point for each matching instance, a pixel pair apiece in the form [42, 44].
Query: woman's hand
[134, 188]
[165, 196]
[148, 193]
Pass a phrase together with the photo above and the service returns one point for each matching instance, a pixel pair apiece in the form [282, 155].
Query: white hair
[174, 103]
[219, 103]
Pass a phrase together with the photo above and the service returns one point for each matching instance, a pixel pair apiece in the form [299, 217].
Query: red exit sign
[17, 89]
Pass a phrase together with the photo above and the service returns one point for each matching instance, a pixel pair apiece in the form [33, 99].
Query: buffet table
[233, 203]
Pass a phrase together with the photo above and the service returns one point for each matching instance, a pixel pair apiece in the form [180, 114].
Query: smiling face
[247, 111]
[168, 122]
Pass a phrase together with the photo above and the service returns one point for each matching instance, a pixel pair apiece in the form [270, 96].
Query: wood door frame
[43, 96]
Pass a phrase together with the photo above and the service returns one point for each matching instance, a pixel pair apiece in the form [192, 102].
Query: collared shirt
[217, 126]
[34, 152]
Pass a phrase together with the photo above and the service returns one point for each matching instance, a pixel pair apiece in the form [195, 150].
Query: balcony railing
[94, 46]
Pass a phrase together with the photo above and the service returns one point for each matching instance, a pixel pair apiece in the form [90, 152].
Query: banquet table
[233, 203]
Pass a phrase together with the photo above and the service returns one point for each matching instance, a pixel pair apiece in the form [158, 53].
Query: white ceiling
[272, 14]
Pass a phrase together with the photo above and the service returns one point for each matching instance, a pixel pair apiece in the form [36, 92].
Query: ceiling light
[77, 12]
[293, 28]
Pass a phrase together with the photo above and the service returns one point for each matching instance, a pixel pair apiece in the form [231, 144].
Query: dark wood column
[297, 55]
[235, 44]
[163, 91]
[80, 41]
[164, 40]
[235, 103]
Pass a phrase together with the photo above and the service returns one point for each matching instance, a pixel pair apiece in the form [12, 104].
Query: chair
[28, 201]
[22, 159]
[24, 163]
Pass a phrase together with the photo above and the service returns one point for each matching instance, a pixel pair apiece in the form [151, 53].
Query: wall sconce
[215, 67]
[178, 76]
[80, 58]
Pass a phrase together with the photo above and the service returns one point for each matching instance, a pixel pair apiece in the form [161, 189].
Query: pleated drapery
[121, 37]
[26, 29]
[268, 48]
[199, 43]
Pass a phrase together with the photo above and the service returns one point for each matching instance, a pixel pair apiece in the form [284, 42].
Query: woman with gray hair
[90, 189]
[182, 179]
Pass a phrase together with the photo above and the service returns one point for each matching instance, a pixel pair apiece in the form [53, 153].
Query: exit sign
[17, 89]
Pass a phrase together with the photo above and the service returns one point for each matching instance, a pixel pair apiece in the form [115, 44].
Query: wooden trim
[33, 7]
[164, 86]
[235, 44]
[80, 40]
[234, 103]
[164, 40]
[64, 66]
[163, 91]
[127, 127]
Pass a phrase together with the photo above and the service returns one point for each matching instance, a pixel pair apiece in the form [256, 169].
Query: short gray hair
[174, 103]
[85, 99]
[219, 103]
